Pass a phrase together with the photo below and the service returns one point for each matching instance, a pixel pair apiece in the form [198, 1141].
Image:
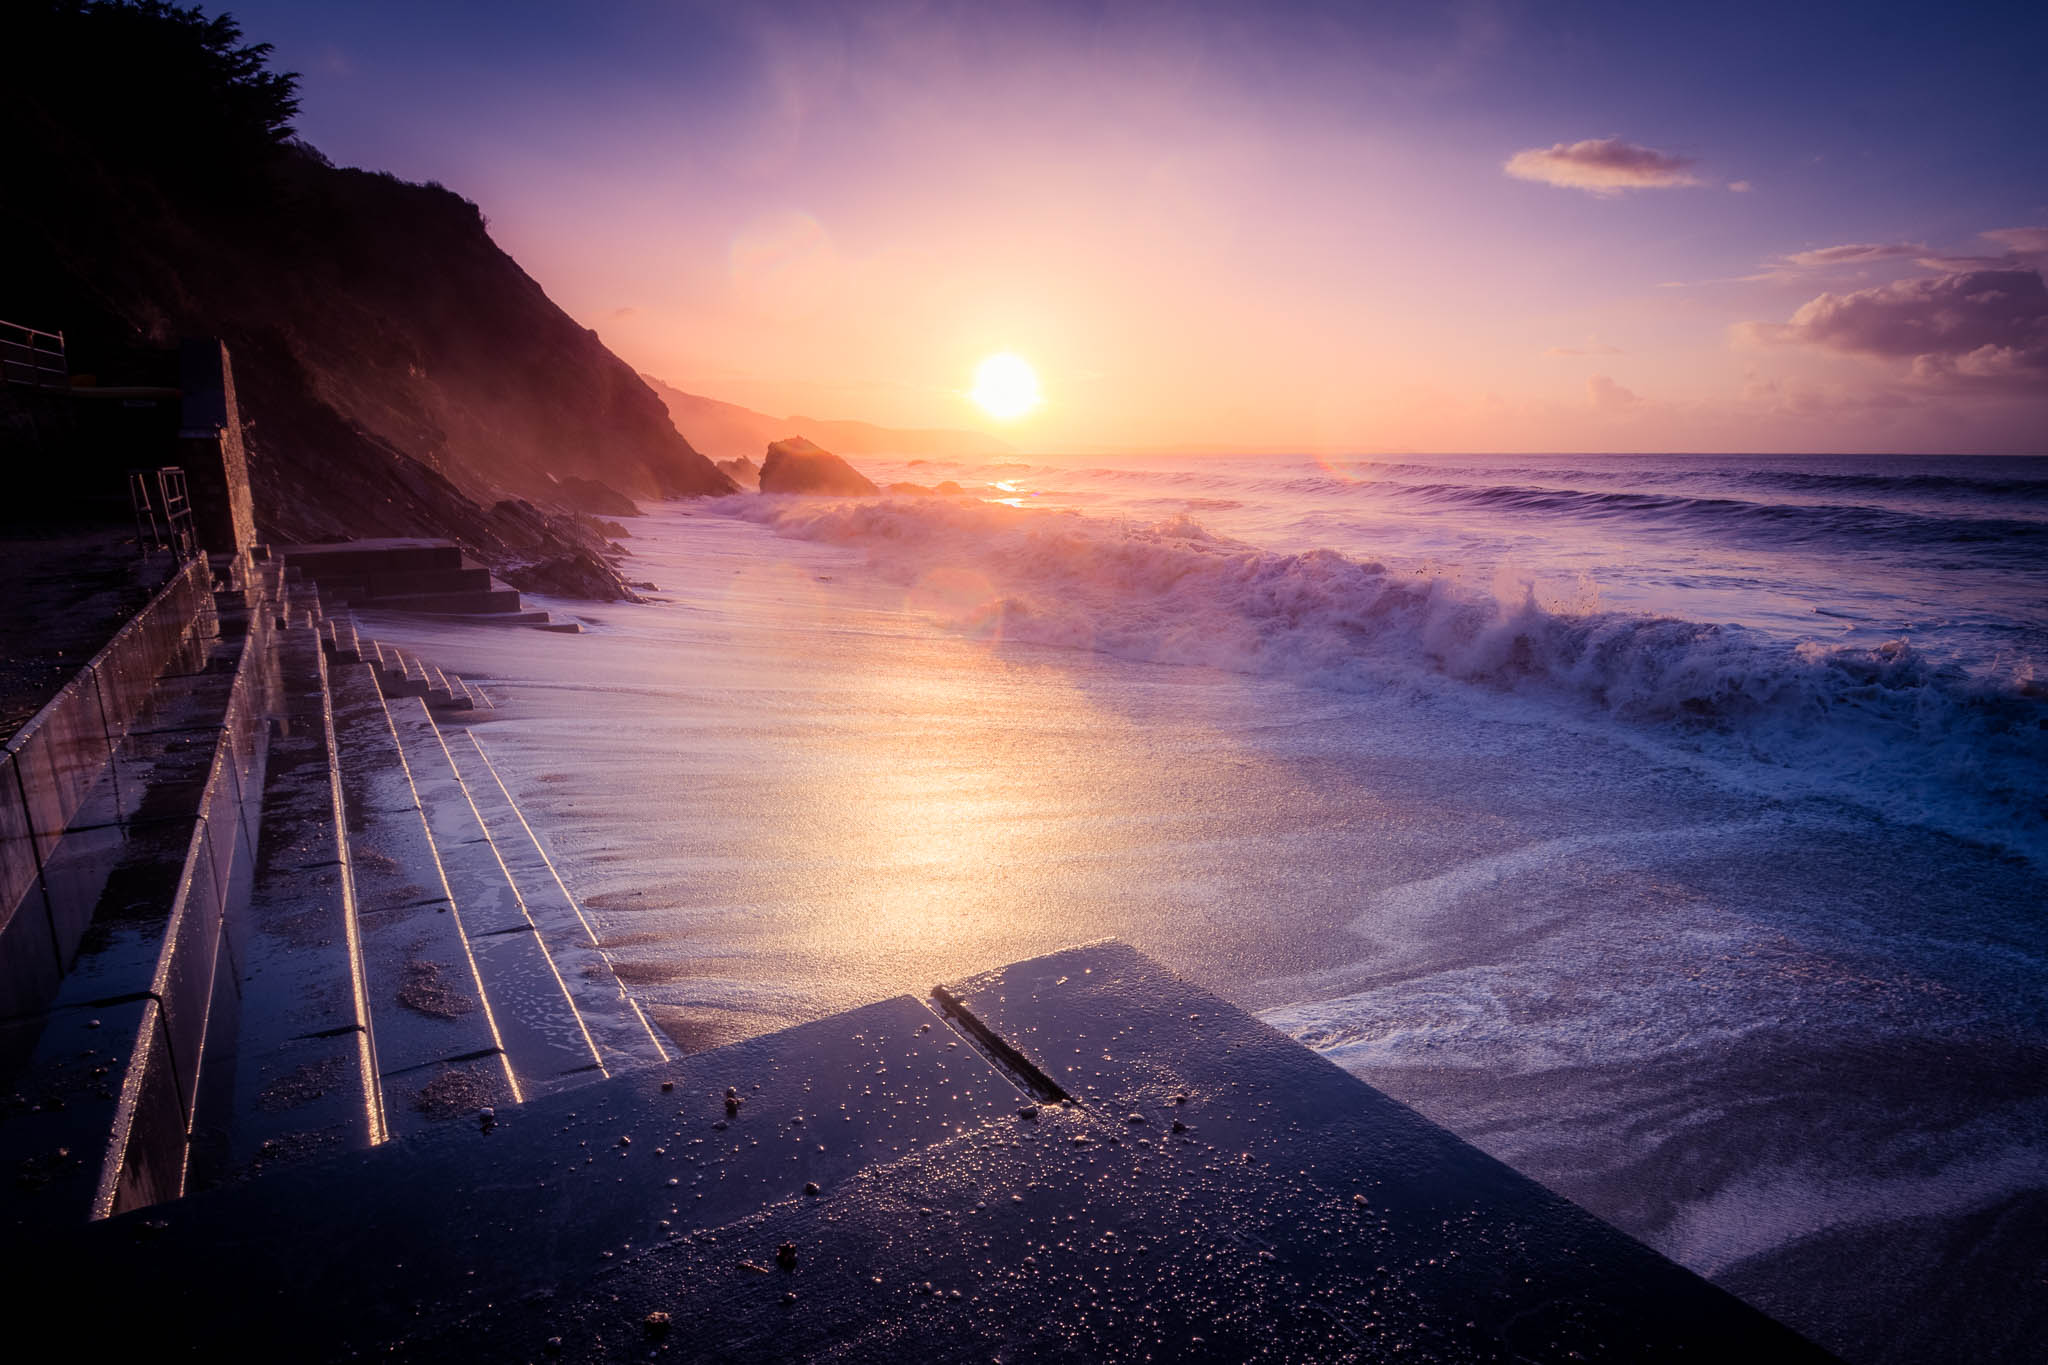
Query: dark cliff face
[398, 374]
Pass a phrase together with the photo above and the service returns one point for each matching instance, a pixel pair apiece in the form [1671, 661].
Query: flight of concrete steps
[418, 576]
[300, 912]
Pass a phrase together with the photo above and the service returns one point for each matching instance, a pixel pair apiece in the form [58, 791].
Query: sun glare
[1006, 387]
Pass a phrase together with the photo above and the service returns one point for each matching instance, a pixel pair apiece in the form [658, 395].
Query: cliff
[728, 431]
[398, 373]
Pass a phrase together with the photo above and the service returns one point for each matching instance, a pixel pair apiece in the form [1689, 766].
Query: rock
[742, 471]
[596, 496]
[811, 1187]
[785, 1255]
[794, 465]
[655, 1324]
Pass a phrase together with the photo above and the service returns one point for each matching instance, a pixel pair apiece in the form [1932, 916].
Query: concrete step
[361, 558]
[490, 601]
[525, 616]
[624, 1036]
[542, 1030]
[304, 1079]
[439, 1055]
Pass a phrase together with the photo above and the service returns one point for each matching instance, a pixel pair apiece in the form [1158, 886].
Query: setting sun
[1006, 386]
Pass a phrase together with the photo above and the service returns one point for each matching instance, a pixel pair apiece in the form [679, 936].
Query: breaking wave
[1884, 726]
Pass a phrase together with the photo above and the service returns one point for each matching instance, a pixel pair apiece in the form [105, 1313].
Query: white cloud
[1604, 166]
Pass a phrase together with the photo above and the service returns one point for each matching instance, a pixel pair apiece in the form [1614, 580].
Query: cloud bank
[1975, 328]
[1605, 166]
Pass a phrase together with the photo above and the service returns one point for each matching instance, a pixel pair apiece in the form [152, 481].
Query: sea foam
[1883, 726]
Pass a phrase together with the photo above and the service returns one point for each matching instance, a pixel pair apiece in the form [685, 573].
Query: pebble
[1134, 1118]
[667, 1086]
[1029, 1111]
[554, 1346]
[655, 1324]
[785, 1255]
[625, 1140]
[810, 1187]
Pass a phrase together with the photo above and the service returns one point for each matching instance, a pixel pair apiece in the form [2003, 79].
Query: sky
[1482, 226]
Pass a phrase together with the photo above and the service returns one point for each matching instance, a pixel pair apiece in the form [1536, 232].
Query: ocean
[1675, 828]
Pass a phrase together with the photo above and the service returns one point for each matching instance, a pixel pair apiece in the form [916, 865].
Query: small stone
[1179, 1127]
[785, 1255]
[1358, 1200]
[719, 1126]
[1029, 1111]
[667, 1086]
[810, 1187]
[625, 1140]
[1134, 1118]
[554, 1347]
[486, 1116]
[673, 1182]
[1180, 1099]
[655, 1324]
[732, 1092]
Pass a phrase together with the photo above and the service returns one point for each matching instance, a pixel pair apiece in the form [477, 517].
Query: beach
[1763, 1011]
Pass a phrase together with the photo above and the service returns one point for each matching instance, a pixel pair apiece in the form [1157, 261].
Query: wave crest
[1884, 726]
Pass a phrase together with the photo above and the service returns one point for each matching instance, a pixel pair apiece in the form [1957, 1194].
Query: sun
[1006, 387]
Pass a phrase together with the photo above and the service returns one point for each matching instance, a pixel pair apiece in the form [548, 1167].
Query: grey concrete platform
[542, 1033]
[302, 1073]
[893, 1187]
[623, 1034]
[438, 1046]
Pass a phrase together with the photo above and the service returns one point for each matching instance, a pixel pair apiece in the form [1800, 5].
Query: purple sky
[1476, 227]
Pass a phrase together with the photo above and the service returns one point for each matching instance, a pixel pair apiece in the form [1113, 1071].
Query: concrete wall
[210, 448]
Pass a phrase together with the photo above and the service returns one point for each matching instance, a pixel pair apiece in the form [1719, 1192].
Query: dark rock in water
[655, 1324]
[785, 1255]
[796, 466]
[742, 471]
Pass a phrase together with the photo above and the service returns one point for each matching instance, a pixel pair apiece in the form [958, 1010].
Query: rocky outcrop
[742, 471]
[795, 465]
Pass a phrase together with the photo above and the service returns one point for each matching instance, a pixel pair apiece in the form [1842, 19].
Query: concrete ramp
[902, 1182]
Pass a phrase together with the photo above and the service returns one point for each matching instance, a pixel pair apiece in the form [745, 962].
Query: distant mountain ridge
[727, 431]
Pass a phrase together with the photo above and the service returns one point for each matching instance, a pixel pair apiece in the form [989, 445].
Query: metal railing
[54, 760]
[31, 356]
[163, 512]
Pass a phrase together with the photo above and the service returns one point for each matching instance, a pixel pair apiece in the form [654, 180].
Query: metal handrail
[29, 355]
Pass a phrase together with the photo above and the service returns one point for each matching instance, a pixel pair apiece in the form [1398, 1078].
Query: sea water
[1671, 827]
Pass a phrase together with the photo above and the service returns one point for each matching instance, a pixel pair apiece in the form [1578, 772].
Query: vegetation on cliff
[398, 373]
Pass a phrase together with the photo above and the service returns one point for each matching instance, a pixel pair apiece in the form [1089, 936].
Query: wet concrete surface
[874, 1185]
